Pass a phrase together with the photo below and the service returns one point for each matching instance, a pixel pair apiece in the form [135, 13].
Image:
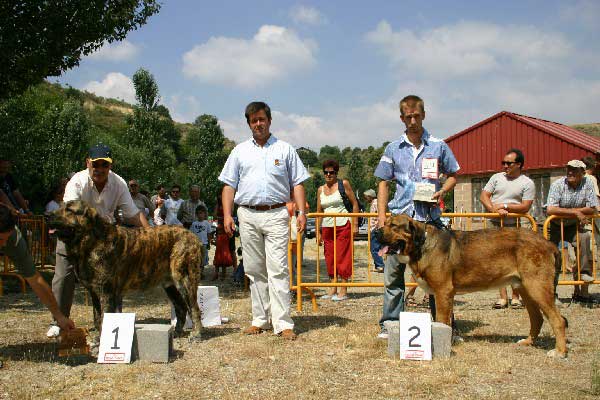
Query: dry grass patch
[335, 356]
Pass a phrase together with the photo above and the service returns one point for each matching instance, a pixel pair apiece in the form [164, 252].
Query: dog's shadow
[464, 326]
[210, 332]
[542, 342]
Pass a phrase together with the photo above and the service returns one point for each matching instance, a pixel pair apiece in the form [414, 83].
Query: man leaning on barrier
[573, 196]
[415, 162]
[13, 245]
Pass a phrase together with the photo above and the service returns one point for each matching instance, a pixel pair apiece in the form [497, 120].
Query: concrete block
[393, 328]
[441, 336]
[153, 342]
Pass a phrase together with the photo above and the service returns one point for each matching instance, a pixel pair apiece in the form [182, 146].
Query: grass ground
[336, 355]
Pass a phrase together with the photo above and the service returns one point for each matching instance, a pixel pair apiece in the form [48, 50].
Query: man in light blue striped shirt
[259, 176]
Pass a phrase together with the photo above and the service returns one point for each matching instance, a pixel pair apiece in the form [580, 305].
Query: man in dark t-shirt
[11, 196]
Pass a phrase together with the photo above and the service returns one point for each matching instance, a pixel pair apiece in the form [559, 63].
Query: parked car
[310, 228]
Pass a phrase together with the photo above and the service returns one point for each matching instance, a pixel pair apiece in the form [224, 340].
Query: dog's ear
[96, 221]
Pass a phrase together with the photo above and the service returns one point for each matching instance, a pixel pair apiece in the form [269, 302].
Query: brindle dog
[450, 262]
[110, 260]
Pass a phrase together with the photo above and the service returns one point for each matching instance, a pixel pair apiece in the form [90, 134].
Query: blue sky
[334, 71]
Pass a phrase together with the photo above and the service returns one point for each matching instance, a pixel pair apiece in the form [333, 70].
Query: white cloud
[469, 48]
[115, 85]
[307, 15]
[120, 51]
[274, 53]
[183, 108]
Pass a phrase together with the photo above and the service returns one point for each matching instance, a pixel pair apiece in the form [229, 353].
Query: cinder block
[441, 336]
[393, 328]
[153, 342]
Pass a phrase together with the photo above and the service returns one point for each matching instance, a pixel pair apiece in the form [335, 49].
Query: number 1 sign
[116, 338]
[415, 336]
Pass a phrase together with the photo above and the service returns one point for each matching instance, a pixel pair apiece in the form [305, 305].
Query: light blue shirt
[399, 163]
[263, 175]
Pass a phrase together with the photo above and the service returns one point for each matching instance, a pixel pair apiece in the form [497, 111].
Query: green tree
[329, 153]
[45, 135]
[205, 151]
[356, 172]
[146, 90]
[309, 157]
[46, 38]
[310, 186]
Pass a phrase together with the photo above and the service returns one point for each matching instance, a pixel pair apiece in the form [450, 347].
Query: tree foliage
[39, 39]
[45, 135]
[204, 148]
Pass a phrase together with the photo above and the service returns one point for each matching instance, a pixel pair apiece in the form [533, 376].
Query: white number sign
[116, 338]
[208, 302]
[415, 336]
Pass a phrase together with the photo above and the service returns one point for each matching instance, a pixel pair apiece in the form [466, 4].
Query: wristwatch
[299, 212]
[505, 206]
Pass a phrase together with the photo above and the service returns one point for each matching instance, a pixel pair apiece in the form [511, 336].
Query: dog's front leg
[444, 300]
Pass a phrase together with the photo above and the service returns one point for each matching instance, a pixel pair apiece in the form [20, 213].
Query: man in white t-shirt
[104, 190]
[172, 205]
[508, 192]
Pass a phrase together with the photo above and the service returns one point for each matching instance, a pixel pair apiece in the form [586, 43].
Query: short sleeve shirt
[404, 165]
[201, 229]
[263, 175]
[115, 194]
[564, 196]
[510, 191]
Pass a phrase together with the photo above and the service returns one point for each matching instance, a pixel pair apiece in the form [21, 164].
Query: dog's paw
[556, 354]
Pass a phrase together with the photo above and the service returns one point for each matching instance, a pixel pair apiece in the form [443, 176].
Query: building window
[542, 187]
[477, 185]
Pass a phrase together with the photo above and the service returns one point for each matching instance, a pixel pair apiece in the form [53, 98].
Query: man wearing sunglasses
[508, 192]
[104, 190]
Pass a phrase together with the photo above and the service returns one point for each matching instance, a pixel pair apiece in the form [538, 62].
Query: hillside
[590, 129]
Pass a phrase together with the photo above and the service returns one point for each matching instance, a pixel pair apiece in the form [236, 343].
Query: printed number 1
[410, 342]
[116, 332]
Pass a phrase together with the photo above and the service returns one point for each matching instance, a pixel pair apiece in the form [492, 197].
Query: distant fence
[458, 221]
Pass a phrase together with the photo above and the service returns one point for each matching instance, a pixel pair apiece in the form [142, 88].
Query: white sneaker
[53, 332]
[383, 334]
[586, 278]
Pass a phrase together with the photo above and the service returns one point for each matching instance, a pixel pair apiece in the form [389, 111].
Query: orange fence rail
[594, 237]
[34, 231]
[299, 285]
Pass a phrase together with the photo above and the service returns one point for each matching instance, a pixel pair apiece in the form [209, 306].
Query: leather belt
[265, 207]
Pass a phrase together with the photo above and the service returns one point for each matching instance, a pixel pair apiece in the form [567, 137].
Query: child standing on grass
[203, 230]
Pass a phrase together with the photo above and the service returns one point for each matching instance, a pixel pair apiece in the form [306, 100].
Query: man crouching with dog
[415, 163]
[104, 190]
[14, 246]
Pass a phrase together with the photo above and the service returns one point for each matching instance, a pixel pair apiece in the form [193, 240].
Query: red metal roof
[545, 144]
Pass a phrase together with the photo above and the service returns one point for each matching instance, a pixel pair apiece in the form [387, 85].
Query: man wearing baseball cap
[104, 190]
[573, 196]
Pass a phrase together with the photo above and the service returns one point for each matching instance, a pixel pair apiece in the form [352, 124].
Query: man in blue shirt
[259, 176]
[415, 162]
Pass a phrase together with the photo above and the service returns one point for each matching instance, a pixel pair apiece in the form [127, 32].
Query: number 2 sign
[116, 338]
[415, 336]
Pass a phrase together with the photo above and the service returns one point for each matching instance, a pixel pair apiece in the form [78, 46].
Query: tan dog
[111, 260]
[450, 262]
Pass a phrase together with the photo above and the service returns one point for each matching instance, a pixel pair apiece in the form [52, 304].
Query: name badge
[429, 168]
[424, 192]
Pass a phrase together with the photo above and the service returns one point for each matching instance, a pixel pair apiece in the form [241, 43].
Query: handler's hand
[583, 219]
[229, 225]
[301, 222]
[438, 196]
[65, 323]
[381, 221]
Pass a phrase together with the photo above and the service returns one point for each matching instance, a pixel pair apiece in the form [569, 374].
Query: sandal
[500, 304]
[516, 304]
[410, 301]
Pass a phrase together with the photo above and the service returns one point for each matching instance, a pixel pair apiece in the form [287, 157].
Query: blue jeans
[375, 247]
[393, 291]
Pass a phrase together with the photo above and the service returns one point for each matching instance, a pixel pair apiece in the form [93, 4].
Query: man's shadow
[306, 323]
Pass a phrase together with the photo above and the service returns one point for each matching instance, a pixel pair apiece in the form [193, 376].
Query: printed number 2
[116, 332]
[410, 342]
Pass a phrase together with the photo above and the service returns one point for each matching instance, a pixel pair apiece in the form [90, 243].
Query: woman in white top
[329, 200]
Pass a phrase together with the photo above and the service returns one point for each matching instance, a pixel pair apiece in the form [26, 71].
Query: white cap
[576, 164]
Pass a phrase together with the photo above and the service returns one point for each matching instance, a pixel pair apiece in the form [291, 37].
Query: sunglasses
[508, 163]
[174, 191]
[133, 185]
[329, 172]
[100, 164]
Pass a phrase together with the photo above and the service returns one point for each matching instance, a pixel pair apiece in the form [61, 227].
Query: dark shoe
[253, 330]
[288, 334]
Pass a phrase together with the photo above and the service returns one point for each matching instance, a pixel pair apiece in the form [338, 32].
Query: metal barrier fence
[34, 230]
[594, 237]
[300, 285]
